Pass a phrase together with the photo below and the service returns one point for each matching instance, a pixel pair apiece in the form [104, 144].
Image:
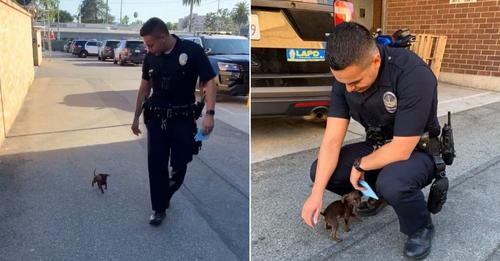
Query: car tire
[122, 63]
[83, 54]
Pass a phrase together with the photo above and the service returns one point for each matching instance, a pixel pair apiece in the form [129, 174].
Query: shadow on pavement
[53, 212]
[105, 99]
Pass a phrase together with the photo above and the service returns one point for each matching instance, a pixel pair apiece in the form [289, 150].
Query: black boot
[156, 218]
[370, 207]
[418, 245]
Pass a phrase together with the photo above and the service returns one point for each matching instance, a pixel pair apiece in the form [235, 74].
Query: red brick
[484, 73]
[487, 14]
[496, 74]
[489, 41]
[487, 52]
[495, 20]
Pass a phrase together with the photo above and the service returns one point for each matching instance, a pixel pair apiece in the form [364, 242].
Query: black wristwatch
[356, 165]
[210, 112]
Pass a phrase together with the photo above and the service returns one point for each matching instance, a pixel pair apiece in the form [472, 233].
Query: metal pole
[121, 7]
[218, 16]
[107, 12]
[58, 26]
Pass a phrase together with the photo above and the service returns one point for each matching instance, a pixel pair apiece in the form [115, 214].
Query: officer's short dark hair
[349, 43]
[154, 27]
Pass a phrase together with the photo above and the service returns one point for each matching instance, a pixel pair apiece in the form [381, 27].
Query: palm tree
[240, 14]
[191, 3]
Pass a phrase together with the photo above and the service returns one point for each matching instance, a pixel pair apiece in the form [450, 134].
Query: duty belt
[172, 112]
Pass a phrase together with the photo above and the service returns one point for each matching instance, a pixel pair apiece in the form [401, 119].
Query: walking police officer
[393, 94]
[171, 69]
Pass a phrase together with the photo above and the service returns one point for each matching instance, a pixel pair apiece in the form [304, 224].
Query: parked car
[84, 48]
[78, 46]
[129, 51]
[67, 45]
[107, 50]
[290, 76]
[228, 55]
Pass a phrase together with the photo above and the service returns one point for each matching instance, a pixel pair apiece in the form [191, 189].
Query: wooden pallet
[431, 49]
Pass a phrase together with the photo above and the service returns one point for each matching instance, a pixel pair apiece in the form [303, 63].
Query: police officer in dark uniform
[393, 94]
[171, 69]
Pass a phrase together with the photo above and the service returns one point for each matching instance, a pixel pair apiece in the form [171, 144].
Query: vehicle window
[310, 25]
[227, 46]
[112, 44]
[80, 42]
[135, 45]
[91, 44]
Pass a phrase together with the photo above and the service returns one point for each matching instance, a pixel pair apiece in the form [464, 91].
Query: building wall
[366, 21]
[16, 62]
[473, 31]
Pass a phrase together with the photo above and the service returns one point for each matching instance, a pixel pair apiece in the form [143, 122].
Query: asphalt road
[466, 229]
[77, 117]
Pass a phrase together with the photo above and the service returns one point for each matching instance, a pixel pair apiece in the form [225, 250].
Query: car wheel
[83, 54]
[122, 63]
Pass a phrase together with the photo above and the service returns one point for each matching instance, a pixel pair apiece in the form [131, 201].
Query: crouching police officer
[171, 68]
[393, 94]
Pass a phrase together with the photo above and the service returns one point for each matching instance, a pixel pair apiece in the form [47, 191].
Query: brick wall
[473, 31]
[16, 62]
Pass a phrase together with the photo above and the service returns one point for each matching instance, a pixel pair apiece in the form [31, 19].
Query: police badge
[183, 59]
[390, 102]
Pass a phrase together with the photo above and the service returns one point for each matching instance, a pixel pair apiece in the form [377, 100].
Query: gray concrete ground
[467, 228]
[77, 117]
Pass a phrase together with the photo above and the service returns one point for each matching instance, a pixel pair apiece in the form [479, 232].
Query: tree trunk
[190, 16]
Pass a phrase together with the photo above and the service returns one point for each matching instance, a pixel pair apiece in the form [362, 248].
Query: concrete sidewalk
[77, 118]
[466, 229]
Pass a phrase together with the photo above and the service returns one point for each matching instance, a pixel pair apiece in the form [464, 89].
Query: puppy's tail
[94, 172]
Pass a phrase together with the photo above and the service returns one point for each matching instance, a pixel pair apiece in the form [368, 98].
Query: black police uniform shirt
[174, 75]
[402, 101]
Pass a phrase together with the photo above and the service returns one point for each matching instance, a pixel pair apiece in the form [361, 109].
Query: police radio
[447, 145]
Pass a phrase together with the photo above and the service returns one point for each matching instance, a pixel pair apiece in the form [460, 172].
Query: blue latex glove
[369, 191]
[200, 136]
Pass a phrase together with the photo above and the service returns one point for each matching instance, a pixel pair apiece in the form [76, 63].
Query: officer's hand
[135, 127]
[311, 209]
[357, 175]
[208, 124]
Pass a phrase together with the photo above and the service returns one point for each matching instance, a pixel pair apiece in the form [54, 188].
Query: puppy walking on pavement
[341, 209]
[101, 180]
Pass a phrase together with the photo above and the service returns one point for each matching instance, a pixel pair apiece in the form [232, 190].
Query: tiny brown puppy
[341, 209]
[101, 180]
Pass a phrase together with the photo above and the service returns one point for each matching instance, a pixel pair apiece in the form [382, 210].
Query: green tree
[211, 21]
[65, 17]
[125, 20]
[45, 9]
[239, 14]
[190, 3]
[93, 11]
[170, 25]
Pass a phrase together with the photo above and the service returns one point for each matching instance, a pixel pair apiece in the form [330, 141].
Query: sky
[167, 10]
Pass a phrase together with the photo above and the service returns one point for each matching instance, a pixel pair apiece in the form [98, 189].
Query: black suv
[228, 55]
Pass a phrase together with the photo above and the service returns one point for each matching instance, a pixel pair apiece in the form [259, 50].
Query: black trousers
[399, 183]
[168, 141]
